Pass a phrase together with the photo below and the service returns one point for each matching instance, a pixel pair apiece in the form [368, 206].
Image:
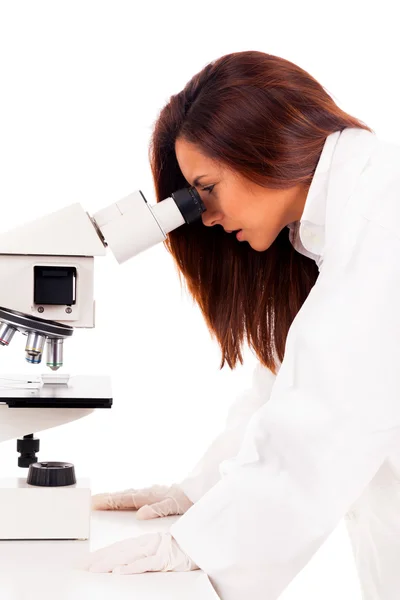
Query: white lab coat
[321, 440]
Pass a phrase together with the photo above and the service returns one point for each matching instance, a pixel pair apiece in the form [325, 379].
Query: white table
[46, 570]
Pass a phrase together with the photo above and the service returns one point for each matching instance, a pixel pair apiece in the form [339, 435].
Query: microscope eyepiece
[189, 203]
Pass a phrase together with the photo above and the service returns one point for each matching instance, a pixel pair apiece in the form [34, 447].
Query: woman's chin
[259, 245]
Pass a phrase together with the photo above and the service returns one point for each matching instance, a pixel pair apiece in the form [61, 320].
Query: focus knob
[51, 474]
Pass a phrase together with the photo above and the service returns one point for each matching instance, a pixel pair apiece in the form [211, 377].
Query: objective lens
[35, 343]
[6, 333]
[55, 353]
[34, 359]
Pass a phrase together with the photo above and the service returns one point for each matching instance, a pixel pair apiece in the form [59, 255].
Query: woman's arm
[206, 472]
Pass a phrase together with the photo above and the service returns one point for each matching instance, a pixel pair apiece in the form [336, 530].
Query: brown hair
[267, 119]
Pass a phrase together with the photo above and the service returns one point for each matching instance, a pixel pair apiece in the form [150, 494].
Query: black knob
[51, 474]
[27, 447]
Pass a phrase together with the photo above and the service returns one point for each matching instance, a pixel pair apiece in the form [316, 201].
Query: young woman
[311, 282]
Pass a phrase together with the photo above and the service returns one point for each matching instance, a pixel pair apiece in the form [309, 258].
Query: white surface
[31, 512]
[47, 570]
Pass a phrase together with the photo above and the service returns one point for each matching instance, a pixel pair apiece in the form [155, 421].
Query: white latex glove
[152, 502]
[149, 552]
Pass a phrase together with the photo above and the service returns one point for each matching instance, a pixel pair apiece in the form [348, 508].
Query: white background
[82, 84]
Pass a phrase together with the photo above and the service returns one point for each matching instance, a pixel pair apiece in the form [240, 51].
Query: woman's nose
[211, 218]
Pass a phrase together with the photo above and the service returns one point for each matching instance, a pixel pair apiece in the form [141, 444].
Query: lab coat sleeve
[308, 454]
[207, 472]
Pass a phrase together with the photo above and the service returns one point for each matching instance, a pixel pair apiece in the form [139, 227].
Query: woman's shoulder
[369, 214]
[378, 194]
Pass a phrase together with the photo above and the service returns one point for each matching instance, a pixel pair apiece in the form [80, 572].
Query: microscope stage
[82, 391]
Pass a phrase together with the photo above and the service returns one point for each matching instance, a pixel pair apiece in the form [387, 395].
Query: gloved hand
[152, 502]
[149, 552]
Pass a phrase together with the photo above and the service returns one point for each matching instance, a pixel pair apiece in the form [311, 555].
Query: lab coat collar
[310, 230]
[307, 235]
[315, 206]
[341, 161]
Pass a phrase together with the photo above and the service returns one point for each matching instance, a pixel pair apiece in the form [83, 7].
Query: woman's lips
[238, 232]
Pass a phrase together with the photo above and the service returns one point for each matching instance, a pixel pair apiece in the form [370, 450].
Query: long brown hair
[267, 119]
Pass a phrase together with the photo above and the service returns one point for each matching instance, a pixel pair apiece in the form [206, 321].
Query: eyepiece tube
[131, 225]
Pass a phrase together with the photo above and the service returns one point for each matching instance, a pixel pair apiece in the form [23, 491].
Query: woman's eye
[208, 189]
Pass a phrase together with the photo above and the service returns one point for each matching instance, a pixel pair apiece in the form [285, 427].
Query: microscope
[47, 282]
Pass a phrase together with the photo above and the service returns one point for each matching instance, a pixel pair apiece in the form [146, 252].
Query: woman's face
[237, 203]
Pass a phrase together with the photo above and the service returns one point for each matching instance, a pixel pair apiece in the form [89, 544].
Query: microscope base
[44, 513]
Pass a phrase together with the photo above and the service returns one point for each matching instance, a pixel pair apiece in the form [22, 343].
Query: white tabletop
[33, 570]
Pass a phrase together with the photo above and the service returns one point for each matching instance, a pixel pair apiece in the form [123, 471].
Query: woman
[312, 283]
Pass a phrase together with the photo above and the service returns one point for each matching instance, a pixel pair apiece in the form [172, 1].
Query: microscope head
[47, 265]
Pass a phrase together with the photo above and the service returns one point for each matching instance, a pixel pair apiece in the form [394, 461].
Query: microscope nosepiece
[37, 331]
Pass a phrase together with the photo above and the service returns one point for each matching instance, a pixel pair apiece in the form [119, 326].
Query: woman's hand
[149, 552]
[151, 503]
